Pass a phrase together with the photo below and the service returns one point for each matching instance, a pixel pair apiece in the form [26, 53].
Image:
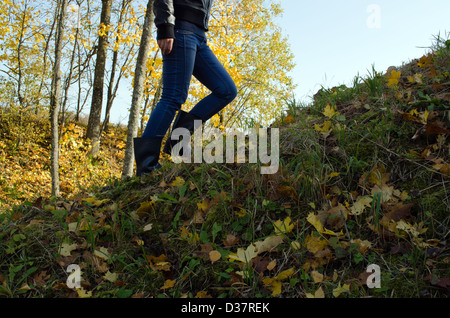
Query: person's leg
[177, 73]
[211, 73]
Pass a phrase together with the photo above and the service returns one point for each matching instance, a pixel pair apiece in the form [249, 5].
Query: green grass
[152, 233]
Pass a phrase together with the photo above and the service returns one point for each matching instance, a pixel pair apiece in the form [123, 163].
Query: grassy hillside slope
[363, 180]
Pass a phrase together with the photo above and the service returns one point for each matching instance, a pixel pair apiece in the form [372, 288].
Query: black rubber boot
[183, 120]
[146, 154]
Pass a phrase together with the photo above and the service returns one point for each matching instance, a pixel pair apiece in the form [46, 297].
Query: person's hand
[165, 45]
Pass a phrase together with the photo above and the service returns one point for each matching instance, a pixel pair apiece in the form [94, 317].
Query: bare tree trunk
[112, 88]
[93, 128]
[55, 100]
[138, 88]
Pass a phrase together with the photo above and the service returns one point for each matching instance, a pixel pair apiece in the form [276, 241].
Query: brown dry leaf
[378, 175]
[287, 192]
[444, 168]
[386, 192]
[39, 279]
[272, 265]
[268, 244]
[337, 217]
[230, 241]
[214, 256]
[398, 212]
[260, 264]
[437, 128]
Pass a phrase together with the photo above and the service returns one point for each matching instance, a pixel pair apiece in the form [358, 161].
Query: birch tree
[138, 88]
[93, 128]
[55, 99]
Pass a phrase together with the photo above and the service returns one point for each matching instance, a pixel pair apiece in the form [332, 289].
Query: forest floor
[359, 206]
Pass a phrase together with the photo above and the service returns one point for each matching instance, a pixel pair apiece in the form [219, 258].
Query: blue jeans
[190, 55]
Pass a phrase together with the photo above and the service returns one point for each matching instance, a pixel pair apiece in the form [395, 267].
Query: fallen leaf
[318, 294]
[102, 253]
[230, 241]
[112, 277]
[341, 289]
[168, 284]
[393, 78]
[268, 244]
[178, 182]
[83, 293]
[316, 276]
[273, 284]
[214, 256]
[96, 202]
[283, 227]
[148, 227]
[329, 111]
[244, 256]
[272, 265]
[360, 205]
[202, 294]
[325, 127]
[314, 220]
[286, 274]
[66, 249]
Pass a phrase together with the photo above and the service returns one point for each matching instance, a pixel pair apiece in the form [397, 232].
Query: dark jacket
[167, 11]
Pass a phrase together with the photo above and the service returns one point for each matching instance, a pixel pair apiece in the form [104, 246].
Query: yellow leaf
[112, 277]
[168, 284]
[203, 206]
[241, 213]
[289, 119]
[315, 244]
[145, 208]
[325, 127]
[393, 78]
[83, 294]
[283, 226]
[295, 245]
[178, 182]
[314, 220]
[202, 294]
[244, 256]
[416, 78]
[286, 274]
[360, 205]
[333, 174]
[329, 111]
[317, 277]
[95, 201]
[66, 249]
[272, 284]
[188, 236]
[318, 294]
[341, 289]
[102, 253]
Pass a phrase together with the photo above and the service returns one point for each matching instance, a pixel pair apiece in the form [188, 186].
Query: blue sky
[335, 40]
